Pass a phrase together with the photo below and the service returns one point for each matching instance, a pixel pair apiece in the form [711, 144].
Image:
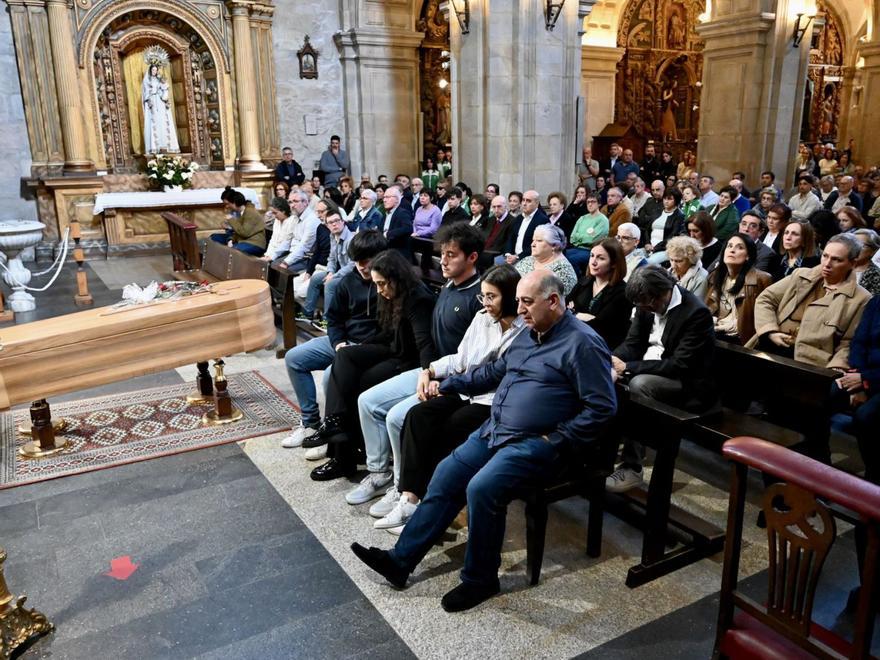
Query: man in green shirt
[589, 229]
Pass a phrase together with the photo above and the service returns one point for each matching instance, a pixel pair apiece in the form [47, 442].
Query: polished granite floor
[240, 555]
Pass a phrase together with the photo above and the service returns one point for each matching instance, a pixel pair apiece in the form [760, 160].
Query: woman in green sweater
[247, 231]
[589, 229]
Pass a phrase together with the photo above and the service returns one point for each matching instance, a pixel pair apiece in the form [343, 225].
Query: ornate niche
[822, 97]
[194, 89]
[435, 99]
[658, 78]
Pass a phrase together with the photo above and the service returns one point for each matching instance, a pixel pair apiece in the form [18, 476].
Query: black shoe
[381, 562]
[332, 425]
[313, 440]
[465, 596]
[332, 469]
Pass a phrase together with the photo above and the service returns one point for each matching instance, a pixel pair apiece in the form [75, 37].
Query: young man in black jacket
[351, 319]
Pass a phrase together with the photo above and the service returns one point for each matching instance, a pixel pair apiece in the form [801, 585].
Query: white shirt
[302, 240]
[638, 202]
[709, 198]
[521, 235]
[475, 219]
[770, 238]
[657, 228]
[803, 205]
[655, 339]
[282, 233]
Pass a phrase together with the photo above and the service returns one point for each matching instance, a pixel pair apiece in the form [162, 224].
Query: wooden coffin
[105, 345]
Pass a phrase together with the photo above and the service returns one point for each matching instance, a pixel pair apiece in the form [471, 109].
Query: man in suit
[667, 356]
[519, 241]
[288, 170]
[416, 185]
[398, 223]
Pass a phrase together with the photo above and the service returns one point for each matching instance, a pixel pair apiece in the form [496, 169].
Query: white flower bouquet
[168, 170]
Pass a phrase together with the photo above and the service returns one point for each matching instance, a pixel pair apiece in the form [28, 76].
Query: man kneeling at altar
[245, 229]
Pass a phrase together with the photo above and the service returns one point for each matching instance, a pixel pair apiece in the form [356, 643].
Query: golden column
[76, 158]
[249, 159]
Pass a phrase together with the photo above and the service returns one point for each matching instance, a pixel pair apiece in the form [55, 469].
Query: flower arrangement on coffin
[156, 292]
[171, 172]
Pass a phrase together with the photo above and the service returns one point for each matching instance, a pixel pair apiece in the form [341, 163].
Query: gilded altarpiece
[435, 99]
[822, 99]
[658, 78]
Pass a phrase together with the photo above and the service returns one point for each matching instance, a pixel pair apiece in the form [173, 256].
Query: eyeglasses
[625, 238]
[484, 298]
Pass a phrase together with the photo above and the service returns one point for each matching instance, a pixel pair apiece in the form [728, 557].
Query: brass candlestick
[204, 392]
[224, 412]
[17, 624]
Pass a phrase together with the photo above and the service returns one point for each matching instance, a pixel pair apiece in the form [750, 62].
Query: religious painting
[658, 78]
[435, 98]
[822, 97]
[308, 60]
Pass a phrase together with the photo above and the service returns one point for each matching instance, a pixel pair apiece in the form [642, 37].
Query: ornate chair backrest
[800, 532]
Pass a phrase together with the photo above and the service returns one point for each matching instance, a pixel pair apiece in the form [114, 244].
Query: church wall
[15, 155]
[317, 104]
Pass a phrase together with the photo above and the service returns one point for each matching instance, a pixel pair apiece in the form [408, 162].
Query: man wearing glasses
[367, 216]
[397, 225]
[338, 264]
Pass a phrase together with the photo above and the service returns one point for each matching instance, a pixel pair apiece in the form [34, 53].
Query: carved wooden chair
[800, 530]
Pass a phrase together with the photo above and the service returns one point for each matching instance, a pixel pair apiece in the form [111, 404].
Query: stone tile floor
[242, 556]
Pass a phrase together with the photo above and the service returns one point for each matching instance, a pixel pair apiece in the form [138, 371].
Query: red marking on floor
[121, 568]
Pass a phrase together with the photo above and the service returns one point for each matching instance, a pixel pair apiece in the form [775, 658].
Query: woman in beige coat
[811, 315]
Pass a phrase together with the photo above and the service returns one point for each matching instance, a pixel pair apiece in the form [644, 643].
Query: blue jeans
[301, 361]
[487, 479]
[579, 258]
[374, 410]
[313, 293]
[248, 248]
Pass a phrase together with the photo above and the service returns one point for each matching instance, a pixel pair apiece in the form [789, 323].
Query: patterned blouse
[560, 267]
[869, 278]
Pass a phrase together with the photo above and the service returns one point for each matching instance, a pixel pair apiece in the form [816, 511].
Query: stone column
[514, 96]
[265, 92]
[847, 109]
[753, 90]
[76, 159]
[865, 131]
[598, 87]
[248, 128]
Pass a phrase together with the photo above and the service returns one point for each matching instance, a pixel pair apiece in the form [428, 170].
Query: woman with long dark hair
[733, 288]
[798, 249]
[403, 343]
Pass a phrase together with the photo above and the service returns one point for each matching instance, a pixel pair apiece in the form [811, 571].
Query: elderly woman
[668, 224]
[629, 235]
[867, 271]
[590, 228]
[701, 228]
[548, 242]
[690, 201]
[734, 286]
[811, 315]
[798, 249]
[766, 199]
[684, 255]
[427, 218]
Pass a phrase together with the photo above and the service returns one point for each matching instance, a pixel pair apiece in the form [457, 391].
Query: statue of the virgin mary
[159, 130]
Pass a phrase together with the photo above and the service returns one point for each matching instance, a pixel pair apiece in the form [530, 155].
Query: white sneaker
[622, 480]
[370, 488]
[398, 516]
[316, 453]
[296, 438]
[384, 506]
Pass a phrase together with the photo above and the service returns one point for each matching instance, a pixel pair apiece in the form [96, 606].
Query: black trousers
[355, 370]
[431, 430]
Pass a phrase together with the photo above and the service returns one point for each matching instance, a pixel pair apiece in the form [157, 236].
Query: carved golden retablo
[17, 624]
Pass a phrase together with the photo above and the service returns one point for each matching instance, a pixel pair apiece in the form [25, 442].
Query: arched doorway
[658, 78]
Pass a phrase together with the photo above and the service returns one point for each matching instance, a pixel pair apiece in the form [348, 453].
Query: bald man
[519, 241]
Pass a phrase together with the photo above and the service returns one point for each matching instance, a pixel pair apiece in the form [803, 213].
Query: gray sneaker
[398, 516]
[623, 479]
[383, 507]
[370, 488]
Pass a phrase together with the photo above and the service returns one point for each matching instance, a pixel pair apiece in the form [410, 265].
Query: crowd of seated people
[459, 397]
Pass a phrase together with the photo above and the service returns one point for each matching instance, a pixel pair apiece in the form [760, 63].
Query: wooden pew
[795, 395]
[184, 242]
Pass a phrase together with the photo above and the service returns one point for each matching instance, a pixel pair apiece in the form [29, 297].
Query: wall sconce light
[552, 9]
[801, 25]
[462, 9]
[443, 83]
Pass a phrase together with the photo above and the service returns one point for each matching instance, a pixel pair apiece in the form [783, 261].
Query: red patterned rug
[136, 426]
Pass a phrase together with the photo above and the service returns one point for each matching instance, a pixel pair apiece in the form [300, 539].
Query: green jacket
[589, 230]
[726, 221]
[249, 227]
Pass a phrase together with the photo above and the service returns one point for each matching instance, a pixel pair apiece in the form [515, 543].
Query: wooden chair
[184, 242]
[584, 477]
[800, 533]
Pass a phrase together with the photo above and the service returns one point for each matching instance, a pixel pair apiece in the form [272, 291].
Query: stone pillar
[866, 133]
[847, 109]
[76, 160]
[514, 96]
[753, 90]
[598, 87]
[248, 128]
[265, 92]
[380, 73]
